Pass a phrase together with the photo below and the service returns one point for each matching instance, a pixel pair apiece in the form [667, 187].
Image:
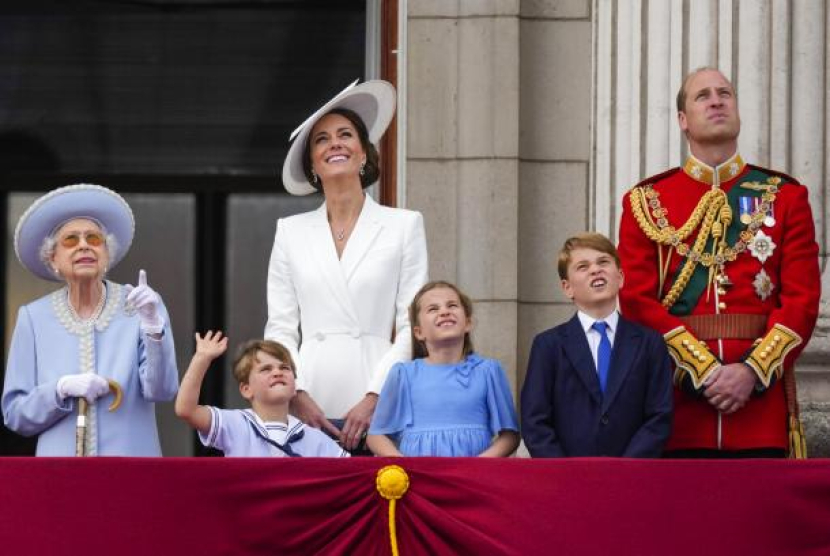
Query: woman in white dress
[341, 277]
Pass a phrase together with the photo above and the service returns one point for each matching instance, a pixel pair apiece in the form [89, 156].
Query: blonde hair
[419, 348]
[245, 358]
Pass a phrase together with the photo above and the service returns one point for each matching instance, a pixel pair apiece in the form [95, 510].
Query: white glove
[146, 301]
[84, 385]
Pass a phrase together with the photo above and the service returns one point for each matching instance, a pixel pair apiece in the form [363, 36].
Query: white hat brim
[373, 101]
[83, 200]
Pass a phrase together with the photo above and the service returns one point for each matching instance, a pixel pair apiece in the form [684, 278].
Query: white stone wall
[498, 150]
[555, 199]
[462, 68]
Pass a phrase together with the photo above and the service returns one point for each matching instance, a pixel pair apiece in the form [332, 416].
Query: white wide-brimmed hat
[373, 101]
[59, 206]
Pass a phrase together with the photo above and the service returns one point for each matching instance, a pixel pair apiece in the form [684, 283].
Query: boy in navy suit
[597, 385]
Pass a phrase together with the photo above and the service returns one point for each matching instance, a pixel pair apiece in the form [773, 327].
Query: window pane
[163, 247]
[252, 223]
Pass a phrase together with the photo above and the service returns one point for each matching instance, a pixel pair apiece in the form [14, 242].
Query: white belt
[320, 335]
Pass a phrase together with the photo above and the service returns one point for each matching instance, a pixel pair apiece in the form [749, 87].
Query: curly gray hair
[50, 242]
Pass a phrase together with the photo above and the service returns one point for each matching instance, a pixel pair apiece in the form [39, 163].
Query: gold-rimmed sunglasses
[93, 239]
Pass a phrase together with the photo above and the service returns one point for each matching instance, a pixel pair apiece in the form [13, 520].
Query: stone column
[462, 103]
[555, 200]
[777, 54]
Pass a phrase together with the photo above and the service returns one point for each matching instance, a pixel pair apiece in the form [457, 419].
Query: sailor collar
[293, 427]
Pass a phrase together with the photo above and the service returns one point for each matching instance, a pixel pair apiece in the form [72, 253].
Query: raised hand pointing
[146, 301]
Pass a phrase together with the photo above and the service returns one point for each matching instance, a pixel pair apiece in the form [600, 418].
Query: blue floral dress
[445, 410]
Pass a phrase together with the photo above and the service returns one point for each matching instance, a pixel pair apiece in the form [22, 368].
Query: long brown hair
[419, 348]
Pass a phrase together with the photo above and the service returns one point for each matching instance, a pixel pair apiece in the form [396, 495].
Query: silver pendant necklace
[340, 235]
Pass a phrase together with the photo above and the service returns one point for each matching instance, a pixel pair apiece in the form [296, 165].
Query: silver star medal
[763, 285]
[769, 219]
[761, 246]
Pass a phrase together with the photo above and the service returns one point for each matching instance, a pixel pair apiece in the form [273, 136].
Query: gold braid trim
[660, 232]
[714, 212]
[708, 210]
[690, 355]
[768, 356]
[700, 243]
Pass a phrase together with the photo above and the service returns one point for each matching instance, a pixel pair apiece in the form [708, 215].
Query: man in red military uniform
[720, 257]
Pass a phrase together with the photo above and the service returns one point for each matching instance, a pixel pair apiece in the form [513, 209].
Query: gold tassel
[798, 445]
[726, 215]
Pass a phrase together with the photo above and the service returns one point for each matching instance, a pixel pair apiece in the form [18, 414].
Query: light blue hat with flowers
[59, 206]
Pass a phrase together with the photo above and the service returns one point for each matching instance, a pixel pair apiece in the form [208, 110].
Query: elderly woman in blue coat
[89, 339]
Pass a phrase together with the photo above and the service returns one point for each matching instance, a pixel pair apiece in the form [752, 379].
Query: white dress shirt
[593, 336]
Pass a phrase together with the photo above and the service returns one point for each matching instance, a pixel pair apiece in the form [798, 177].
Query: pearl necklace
[95, 314]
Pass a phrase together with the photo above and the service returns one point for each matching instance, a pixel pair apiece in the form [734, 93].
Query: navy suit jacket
[564, 413]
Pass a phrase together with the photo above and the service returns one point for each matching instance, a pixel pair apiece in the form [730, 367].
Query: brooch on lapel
[129, 308]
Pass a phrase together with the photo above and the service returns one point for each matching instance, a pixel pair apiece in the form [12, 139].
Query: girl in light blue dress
[447, 401]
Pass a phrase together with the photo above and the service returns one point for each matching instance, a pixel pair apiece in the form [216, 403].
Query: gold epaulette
[690, 355]
[768, 356]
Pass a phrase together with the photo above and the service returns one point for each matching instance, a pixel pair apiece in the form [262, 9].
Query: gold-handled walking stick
[83, 407]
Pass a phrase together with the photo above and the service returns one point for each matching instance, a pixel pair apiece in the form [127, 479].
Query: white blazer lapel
[322, 250]
[366, 230]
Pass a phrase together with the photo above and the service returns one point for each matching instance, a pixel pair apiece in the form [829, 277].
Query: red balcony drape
[205, 506]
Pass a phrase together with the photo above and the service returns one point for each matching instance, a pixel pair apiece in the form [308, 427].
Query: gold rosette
[392, 483]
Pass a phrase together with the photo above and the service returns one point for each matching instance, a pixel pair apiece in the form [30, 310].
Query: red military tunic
[758, 307]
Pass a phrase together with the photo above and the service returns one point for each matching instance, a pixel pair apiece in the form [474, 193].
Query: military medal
[769, 219]
[745, 205]
[761, 246]
[763, 285]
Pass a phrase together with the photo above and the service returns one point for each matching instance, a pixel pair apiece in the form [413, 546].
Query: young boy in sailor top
[266, 373]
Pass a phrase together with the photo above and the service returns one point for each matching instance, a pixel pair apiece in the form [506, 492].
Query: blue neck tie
[603, 353]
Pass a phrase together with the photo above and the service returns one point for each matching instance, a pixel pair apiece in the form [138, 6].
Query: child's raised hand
[212, 345]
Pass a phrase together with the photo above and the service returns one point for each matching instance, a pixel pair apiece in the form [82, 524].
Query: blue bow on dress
[463, 371]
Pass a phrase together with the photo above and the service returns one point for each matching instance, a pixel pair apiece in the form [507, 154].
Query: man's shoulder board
[784, 177]
[657, 177]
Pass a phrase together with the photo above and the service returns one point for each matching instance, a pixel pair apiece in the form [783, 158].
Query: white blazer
[337, 316]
